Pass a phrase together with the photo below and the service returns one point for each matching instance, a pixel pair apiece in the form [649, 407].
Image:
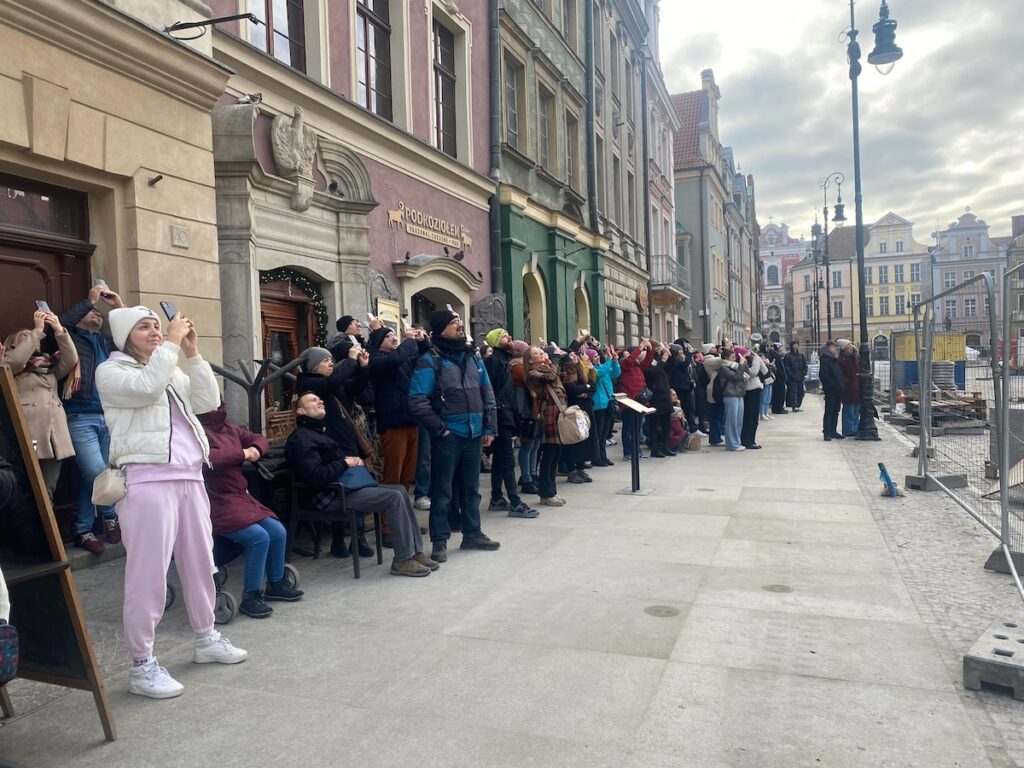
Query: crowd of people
[393, 422]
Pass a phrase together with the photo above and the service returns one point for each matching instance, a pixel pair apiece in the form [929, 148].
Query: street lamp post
[884, 56]
[840, 217]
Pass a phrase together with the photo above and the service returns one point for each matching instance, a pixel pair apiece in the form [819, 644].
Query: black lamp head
[840, 215]
[886, 52]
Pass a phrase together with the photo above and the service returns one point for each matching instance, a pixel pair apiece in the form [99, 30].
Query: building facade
[964, 250]
[701, 190]
[107, 158]
[352, 162]
[779, 252]
[620, 37]
[670, 271]
[551, 250]
[740, 252]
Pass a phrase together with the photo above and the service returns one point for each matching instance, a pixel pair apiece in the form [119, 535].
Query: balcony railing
[665, 270]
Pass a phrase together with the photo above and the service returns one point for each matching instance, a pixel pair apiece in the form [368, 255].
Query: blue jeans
[91, 439]
[733, 422]
[421, 485]
[264, 551]
[766, 398]
[716, 422]
[851, 419]
[528, 460]
[447, 453]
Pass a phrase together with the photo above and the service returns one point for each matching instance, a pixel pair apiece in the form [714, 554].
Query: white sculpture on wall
[294, 145]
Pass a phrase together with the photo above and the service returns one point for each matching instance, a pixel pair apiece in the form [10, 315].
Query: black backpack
[718, 388]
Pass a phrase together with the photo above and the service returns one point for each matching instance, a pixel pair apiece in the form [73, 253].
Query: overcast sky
[943, 131]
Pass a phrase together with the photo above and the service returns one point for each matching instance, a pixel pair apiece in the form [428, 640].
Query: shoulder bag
[109, 487]
[573, 422]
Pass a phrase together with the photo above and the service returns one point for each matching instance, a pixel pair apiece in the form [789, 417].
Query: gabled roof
[891, 219]
[692, 111]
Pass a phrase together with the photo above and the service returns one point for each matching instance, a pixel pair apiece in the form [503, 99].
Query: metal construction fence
[970, 411]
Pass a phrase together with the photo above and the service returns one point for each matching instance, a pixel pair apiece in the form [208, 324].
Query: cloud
[942, 132]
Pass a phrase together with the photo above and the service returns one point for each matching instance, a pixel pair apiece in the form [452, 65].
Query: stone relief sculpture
[489, 313]
[294, 145]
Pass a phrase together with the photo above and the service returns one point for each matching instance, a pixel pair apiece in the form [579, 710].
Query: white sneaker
[611, 441]
[699, 433]
[738, 448]
[423, 502]
[216, 647]
[153, 681]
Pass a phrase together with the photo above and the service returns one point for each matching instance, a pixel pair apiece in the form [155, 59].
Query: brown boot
[408, 567]
[422, 559]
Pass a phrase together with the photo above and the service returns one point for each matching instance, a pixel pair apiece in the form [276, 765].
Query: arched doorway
[880, 347]
[535, 313]
[431, 299]
[582, 308]
[974, 340]
[774, 336]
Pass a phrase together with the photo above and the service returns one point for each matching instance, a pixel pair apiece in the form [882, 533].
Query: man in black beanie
[349, 335]
[456, 407]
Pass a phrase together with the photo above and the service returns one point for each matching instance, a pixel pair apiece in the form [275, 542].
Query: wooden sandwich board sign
[54, 642]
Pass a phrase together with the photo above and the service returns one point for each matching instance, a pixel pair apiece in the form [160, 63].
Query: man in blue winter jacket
[455, 404]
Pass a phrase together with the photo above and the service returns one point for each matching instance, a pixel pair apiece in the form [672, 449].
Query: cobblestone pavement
[940, 551]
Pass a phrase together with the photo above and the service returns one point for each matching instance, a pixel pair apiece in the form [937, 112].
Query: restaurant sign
[420, 224]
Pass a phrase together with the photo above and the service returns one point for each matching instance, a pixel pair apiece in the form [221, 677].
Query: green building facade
[552, 261]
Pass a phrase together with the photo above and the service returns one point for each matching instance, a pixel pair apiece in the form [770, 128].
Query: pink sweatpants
[159, 519]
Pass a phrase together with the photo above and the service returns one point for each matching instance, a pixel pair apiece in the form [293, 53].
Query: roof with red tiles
[686, 146]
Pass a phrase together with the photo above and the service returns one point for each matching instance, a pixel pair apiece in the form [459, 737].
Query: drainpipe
[705, 258]
[588, 15]
[646, 129]
[495, 211]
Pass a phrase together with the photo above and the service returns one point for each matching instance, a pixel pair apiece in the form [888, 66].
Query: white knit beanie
[843, 343]
[121, 322]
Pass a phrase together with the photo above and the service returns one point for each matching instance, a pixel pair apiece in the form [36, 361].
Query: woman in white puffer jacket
[150, 397]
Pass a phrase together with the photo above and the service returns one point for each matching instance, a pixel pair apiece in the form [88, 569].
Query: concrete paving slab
[789, 494]
[707, 715]
[599, 698]
[825, 511]
[805, 532]
[551, 617]
[623, 544]
[611, 575]
[877, 652]
[794, 556]
[857, 596]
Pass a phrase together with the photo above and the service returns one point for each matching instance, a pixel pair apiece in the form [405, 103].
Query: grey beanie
[312, 357]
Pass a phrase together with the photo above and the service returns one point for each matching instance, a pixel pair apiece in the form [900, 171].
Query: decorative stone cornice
[103, 35]
[425, 263]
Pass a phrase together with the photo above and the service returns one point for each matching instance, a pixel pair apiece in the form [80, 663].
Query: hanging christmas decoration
[309, 288]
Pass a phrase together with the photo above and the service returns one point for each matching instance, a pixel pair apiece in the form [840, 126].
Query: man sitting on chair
[318, 461]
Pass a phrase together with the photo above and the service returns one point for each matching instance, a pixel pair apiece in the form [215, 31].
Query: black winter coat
[314, 457]
[829, 374]
[680, 372]
[796, 366]
[345, 384]
[390, 402]
[499, 371]
[656, 378]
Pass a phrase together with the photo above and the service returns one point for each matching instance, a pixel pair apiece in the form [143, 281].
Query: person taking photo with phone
[89, 434]
[152, 391]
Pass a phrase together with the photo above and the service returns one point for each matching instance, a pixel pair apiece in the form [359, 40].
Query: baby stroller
[226, 605]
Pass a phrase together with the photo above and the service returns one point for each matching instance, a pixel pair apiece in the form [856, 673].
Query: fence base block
[997, 562]
[915, 429]
[920, 483]
[917, 452]
[997, 658]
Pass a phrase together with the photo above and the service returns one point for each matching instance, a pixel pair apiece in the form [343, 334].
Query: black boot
[254, 606]
[360, 544]
[282, 590]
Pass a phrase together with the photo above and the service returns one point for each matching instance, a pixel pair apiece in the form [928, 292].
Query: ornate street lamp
[837, 179]
[884, 56]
